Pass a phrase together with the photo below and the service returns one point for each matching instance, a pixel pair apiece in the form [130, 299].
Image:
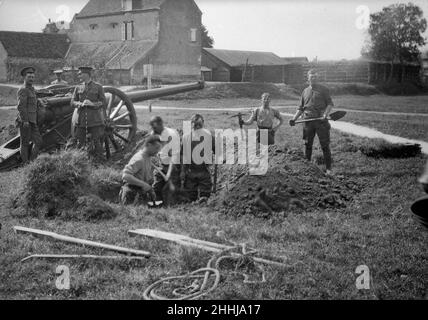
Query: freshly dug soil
[291, 184]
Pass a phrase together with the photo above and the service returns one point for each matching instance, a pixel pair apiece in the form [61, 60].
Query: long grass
[323, 247]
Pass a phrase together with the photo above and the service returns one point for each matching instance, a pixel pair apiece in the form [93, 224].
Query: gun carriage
[56, 123]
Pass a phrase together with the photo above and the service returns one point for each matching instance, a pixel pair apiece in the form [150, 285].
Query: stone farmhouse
[117, 37]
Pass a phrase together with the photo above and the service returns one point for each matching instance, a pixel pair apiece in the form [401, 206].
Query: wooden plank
[178, 238]
[195, 243]
[53, 236]
[74, 256]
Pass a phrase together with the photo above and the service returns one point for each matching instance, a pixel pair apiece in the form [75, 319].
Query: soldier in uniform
[316, 102]
[27, 116]
[138, 174]
[89, 102]
[197, 176]
[59, 79]
[265, 116]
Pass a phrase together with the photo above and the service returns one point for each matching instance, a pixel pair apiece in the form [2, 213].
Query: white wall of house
[111, 27]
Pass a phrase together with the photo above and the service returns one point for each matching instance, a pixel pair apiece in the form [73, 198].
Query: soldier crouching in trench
[27, 117]
[138, 175]
[89, 100]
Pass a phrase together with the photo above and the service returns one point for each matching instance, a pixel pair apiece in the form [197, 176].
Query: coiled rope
[200, 286]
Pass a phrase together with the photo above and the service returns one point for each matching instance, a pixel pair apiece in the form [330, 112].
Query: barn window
[193, 33]
[129, 5]
[128, 30]
[137, 4]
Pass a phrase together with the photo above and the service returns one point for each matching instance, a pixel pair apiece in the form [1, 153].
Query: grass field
[323, 247]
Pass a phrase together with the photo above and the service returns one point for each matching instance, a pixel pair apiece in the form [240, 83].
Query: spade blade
[337, 115]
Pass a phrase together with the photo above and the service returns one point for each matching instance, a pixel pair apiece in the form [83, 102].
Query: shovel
[333, 117]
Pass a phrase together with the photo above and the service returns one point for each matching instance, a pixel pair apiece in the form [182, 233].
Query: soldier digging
[195, 172]
[89, 102]
[27, 117]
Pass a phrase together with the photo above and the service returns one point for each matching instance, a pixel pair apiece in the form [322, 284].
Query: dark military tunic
[27, 104]
[27, 112]
[89, 116]
[314, 102]
[197, 175]
[89, 120]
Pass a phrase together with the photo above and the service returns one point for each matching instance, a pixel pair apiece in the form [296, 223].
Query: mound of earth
[291, 184]
[379, 148]
[229, 90]
[59, 185]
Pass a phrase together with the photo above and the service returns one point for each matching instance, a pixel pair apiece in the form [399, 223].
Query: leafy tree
[395, 34]
[207, 40]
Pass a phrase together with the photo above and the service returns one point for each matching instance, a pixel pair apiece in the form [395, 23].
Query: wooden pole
[75, 256]
[197, 244]
[53, 236]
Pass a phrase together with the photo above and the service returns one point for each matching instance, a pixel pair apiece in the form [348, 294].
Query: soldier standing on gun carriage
[59, 79]
[89, 102]
[27, 117]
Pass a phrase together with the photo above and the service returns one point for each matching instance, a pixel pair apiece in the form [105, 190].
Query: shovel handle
[310, 120]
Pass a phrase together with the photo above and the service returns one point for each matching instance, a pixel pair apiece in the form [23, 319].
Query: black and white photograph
[215, 155]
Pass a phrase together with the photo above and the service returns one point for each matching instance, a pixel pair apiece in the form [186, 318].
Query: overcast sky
[327, 29]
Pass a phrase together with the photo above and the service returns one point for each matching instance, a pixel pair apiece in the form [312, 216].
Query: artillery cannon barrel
[142, 95]
[138, 96]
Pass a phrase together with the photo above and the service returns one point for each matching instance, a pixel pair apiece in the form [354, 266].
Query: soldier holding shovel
[316, 104]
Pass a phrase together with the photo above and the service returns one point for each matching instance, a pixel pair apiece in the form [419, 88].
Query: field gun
[56, 123]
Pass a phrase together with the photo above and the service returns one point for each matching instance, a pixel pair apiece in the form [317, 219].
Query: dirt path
[386, 113]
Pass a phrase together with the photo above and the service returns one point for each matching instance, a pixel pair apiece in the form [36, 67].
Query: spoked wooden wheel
[121, 123]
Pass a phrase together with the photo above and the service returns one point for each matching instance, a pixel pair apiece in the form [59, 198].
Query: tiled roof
[94, 54]
[130, 53]
[111, 55]
[35, 45]
[295, 60]
[105, 7]
[235, 58]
